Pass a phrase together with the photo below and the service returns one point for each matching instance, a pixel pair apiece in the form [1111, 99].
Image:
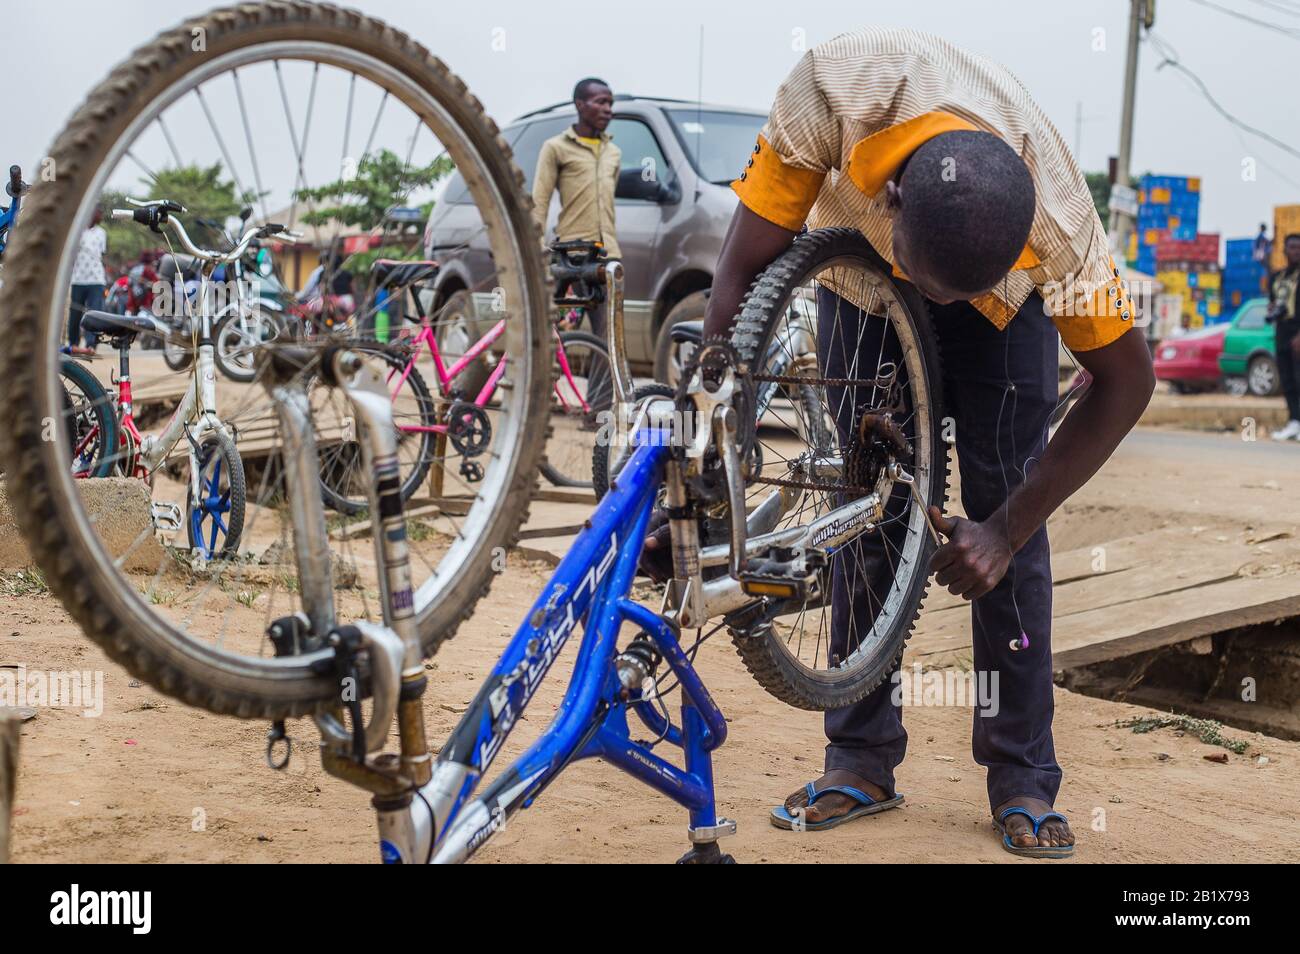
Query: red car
[1190, 362]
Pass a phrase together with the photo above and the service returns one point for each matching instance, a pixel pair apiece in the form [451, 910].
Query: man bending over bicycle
[583, 163]
[962, 185]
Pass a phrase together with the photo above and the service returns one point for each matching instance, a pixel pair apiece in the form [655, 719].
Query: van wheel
[669, 356]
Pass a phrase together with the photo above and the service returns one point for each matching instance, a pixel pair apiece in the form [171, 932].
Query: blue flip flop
[867, 805]
[1038, 851]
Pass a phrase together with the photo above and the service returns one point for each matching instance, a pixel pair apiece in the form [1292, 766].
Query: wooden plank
[152, 382]
[1087, 635]
[577, 495]
[1129, 553]
[1114, 631]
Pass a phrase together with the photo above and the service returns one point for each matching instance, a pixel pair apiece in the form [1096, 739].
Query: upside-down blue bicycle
[788, 474]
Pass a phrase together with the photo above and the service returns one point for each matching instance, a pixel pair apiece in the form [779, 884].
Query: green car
[1247, 359]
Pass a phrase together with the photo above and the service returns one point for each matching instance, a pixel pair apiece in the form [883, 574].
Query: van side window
[641, 152]
[526, 144]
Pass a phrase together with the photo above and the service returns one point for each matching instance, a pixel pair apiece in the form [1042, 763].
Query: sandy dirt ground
[151, 780]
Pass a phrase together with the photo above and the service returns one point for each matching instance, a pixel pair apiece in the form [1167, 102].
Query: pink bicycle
[452, 426]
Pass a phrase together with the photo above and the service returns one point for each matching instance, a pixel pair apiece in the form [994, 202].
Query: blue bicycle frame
[445, 823]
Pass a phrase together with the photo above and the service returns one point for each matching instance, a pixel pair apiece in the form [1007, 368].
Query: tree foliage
[201, 189]
[381, 182]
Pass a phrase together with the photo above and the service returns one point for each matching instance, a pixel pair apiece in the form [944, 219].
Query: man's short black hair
[1293, 237]
[580, 87]
[968, 204]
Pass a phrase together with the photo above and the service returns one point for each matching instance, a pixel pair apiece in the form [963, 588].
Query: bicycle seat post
[621, 372]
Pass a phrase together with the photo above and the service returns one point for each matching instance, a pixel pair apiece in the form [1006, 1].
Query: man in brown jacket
[583, 163]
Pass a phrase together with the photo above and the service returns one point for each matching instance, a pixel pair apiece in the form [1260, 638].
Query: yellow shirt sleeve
[799, 145]
[781, 193]
[1091, 308]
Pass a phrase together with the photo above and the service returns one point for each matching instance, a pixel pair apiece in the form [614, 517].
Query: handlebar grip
[123, 213]
[15, 176]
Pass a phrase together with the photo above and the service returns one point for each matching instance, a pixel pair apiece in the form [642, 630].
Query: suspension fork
[392, 779]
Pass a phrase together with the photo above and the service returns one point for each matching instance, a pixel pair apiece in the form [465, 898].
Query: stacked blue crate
[1243, 277]
[1169, 207]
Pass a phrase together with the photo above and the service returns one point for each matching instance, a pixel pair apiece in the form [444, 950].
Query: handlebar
[15, 187]
[158, 212]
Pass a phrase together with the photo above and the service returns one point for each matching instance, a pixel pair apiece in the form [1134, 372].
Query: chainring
[468, 428]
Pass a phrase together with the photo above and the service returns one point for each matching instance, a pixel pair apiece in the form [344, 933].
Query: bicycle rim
[226, 667]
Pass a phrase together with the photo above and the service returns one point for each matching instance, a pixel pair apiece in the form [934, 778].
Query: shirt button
[748, 164]
[742, 176]
[756, 147]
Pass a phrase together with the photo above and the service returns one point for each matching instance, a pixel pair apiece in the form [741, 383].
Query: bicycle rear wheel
[342, 476]
[200, 634]
[831, 297]
[89, 420]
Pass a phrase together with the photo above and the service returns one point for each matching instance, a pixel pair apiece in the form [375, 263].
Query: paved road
[1214, 448]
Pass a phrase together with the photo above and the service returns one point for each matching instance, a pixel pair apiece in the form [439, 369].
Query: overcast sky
[517, 55]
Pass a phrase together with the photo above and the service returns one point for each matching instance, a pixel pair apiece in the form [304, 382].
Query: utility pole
[1141, 13]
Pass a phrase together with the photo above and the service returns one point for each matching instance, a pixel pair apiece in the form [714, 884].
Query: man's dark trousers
[1000, 388]
[1283, 337]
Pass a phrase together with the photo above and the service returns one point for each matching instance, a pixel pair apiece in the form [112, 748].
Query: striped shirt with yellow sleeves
[853, 110]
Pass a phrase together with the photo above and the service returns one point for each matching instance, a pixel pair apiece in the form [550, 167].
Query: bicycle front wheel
[214, 516]
[293, 99]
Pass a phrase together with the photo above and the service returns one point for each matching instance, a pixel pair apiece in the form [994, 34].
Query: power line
[1291, 32]
[1279, 6]
[1171, 59]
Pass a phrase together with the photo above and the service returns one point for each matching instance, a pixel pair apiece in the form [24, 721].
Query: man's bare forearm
[750, 246]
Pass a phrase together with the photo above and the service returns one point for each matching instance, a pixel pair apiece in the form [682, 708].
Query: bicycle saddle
[120, 326]
[388, 272]
[688, 332]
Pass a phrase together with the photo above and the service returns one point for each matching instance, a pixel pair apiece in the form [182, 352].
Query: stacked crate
[1243, 277]
[1286, 221]
[1169, 208]
[1190, 268]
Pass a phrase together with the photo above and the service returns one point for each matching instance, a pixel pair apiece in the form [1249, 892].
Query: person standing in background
[88, 281]
[1263, 247]
[583, 163]
[1282, 286]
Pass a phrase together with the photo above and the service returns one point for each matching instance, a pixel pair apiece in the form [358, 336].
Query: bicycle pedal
[471, 470]
[785, 575]
[166, 517]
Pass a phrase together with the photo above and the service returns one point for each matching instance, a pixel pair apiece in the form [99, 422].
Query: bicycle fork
[396, 666]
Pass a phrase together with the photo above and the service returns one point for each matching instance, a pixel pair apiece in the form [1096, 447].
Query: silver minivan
[673, 205]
